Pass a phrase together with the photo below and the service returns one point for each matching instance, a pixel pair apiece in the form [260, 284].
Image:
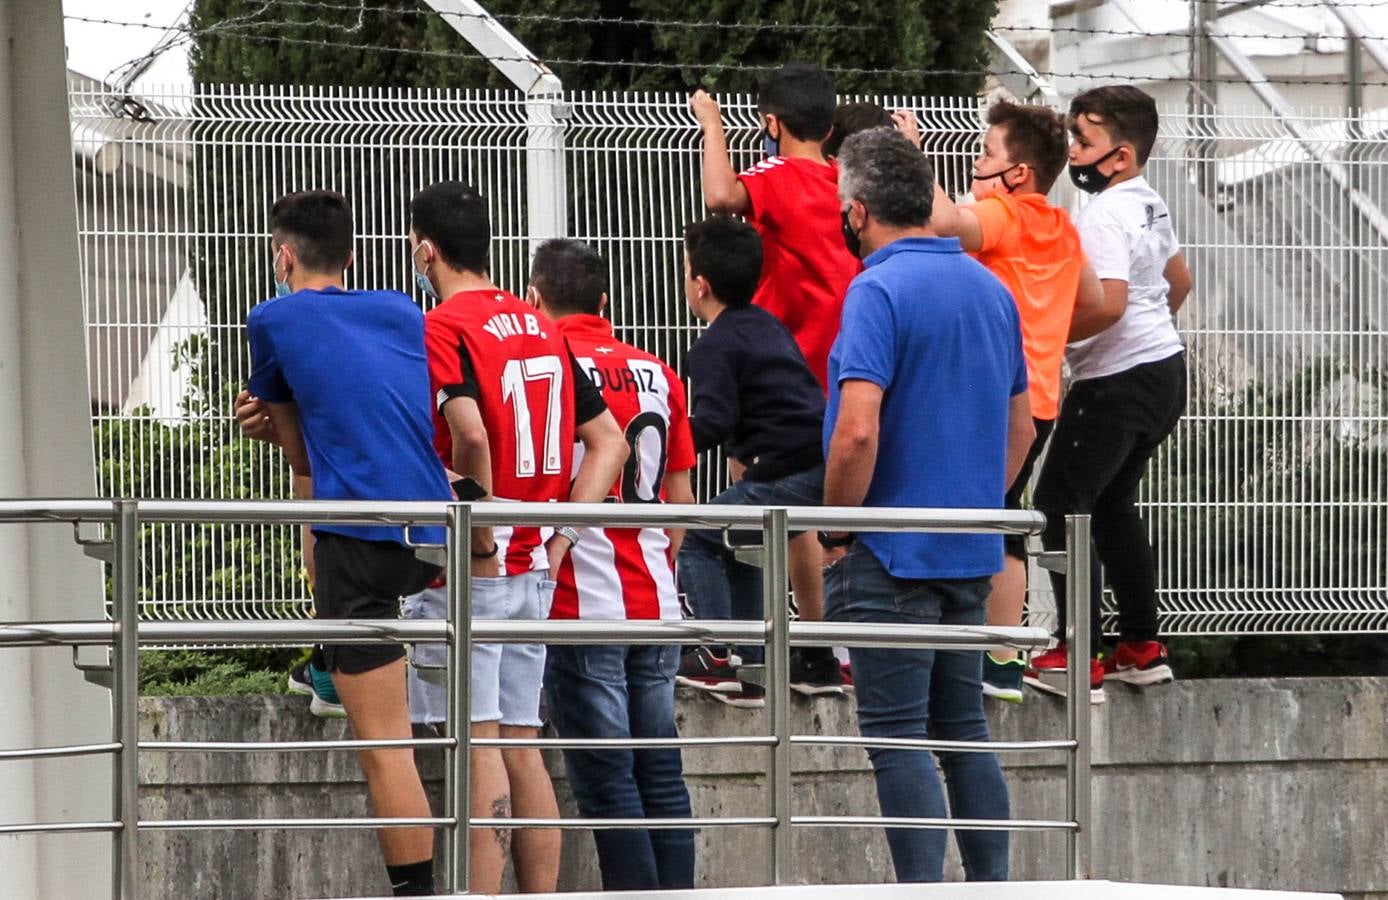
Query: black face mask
[1005, 185]
[851, 239]
[1088, 177]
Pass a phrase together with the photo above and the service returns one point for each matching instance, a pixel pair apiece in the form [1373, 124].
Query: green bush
[197, 673]
[1299, 550]
[202, 571]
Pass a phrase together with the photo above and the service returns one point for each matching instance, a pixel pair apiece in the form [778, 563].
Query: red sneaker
[847, 671]
[1055, 659]
[1047, 672]
[1139, 663]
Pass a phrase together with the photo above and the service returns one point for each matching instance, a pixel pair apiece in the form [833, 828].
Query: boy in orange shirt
[1034, 250]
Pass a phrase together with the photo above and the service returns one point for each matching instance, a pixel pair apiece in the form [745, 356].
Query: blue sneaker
[305, 679]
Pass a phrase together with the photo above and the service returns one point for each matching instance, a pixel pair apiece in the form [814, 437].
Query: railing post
[776, 536]
[457, 786]
[125, 701]
[1078, 610]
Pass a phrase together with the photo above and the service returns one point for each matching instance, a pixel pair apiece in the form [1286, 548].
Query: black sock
[412, 879]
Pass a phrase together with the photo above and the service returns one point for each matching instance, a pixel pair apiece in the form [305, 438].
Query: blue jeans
[918, 694]
[720, 587]
[618, 692]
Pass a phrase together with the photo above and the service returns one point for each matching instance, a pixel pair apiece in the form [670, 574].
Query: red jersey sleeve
[680, 453]
[761, 192]
[446, 374]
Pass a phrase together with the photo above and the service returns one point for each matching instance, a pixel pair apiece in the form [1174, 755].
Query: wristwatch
[569, 532]
[829, 542]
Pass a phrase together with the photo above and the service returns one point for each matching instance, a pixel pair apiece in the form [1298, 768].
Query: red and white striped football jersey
[626, 573]
[493, 347]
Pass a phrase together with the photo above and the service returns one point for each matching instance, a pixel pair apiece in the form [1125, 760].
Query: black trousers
[1107, 430]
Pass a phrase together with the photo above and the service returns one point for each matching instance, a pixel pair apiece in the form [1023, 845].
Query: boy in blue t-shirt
[342, 383]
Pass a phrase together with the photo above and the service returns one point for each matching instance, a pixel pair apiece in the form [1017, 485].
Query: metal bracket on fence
[753, 674]
[728, 542]
[747, 554]
[433, 554]
[98, 674]
[97, 548]
[1051, 560]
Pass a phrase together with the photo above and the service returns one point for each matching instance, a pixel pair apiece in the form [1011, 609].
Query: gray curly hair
[881, 170]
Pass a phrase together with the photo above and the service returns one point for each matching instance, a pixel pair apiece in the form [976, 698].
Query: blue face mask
[422, 281]
[425, 286]
[282, 288]
[769, 145]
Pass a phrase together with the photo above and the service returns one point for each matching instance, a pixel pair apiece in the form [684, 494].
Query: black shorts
[1016, 544]
[357, 579]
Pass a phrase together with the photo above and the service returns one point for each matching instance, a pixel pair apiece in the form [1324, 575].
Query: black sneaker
[746, 696]
[814, 671]
[300, 682]
[305, 679]
[701, 669]
[1003, 681]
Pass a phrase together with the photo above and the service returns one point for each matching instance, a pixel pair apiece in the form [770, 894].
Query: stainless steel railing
[125, 633]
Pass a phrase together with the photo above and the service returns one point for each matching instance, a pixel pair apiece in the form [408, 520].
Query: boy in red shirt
[792, 199]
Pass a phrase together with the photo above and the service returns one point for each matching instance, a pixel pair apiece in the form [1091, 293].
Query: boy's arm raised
[949, 219]
[723, 192]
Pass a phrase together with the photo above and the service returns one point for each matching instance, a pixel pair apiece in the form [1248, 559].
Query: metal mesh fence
[1268, 508]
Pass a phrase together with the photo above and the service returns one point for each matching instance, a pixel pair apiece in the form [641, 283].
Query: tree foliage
[402, 43]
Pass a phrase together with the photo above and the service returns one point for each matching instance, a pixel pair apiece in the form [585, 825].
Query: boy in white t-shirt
[1128, 383]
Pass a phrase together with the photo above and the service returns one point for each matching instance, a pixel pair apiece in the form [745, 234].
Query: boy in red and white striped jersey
[621, 573]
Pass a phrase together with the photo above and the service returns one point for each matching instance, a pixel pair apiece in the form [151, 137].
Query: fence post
[546, 176]
[547, 188]
[1078, 611]
[777, 610]
[457, 786]
[125, 700]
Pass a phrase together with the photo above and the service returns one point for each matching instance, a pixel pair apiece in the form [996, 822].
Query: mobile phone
[468, 489]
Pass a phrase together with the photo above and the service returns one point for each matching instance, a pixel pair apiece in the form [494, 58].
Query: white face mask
[282, 288]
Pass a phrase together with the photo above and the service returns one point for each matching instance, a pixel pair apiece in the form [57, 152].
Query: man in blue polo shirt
[927, 408]
[341, 377]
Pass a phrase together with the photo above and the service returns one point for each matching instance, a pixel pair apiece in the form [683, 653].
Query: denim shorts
[505, 678]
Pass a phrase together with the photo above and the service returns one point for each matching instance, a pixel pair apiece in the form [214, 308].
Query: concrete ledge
[1277, 784]
[1033, 890]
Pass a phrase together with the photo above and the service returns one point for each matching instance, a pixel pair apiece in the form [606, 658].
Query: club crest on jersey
[505, 325]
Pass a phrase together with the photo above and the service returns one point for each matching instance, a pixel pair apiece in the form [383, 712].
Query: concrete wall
[1258, 784]
[45, 451]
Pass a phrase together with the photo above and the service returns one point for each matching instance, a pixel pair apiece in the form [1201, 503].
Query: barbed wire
[239, 33]
[543, 18]
[252, 20]
[1299, 4]
[1183, 33]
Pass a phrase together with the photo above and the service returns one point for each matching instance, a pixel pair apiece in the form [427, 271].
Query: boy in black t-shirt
[754, 395]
